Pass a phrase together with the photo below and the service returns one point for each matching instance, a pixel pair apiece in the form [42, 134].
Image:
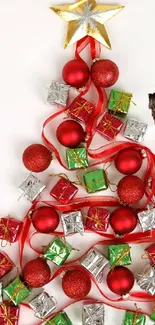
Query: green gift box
[119, 255]
[134, 318]
[77, 158]
[119, 102]
[17, 291]
[59, 319]
[152, 316]
[95, 181]
[58, 251]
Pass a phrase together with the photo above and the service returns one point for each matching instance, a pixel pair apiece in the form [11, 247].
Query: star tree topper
[87, 18]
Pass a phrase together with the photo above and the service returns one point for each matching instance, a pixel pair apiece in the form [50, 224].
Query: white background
[31, 56]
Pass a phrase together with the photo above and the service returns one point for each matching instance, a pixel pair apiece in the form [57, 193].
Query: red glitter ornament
[36, 273]
[45, 219]
[130, 189]
[76, 284]
[120, 280]
[37, 158]
[104, 73]
[128, 161]
[123, 220]
[70, 134]
[76, 73]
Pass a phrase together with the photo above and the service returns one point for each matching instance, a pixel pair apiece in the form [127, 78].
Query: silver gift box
[72, 222]
[58, 93]
[95, 262]
[93, 314]
[135, 130]
[32, 187]
[43, 305]
[146, 279]
[147, 219]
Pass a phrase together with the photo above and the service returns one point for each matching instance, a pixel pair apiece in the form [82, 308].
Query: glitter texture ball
[36, 273]
[37, 158]
[76, 284]
[104, 73]
[130, 189]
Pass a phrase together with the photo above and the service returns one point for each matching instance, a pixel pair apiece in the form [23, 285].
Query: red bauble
[76, 73]
[130, 189]
[76, 284]
[120, 280]
[123, 220]
[128, 161]
[104, 73]
[70, 134]
[37, 158]
[36, 273]
[45, 219]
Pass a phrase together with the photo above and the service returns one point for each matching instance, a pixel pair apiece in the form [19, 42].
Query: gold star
[86, 18]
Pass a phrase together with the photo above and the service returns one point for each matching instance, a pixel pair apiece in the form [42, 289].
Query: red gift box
[6, 265]
[98, 219]
[81, 109]
[64, 190]
[151, 253]
[109, 126]
[10, 229]
[9, 315]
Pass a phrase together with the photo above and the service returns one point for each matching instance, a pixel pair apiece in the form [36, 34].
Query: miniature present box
[147, 219]
[60, 319]
[10, 229]
[64, 190]
[150, 251]
[109, 126]
[146, 279]
[119, 255]
[81, 109]
[95, 181]
[119, 102]
[58, 93]
[58, 251]
[6, 265]
[135, 130]
[43, 305]
[134, 318]
[97, 219]
[152, 316]
[72, 222]
[93, 314]
[9, 315]
[32, 187]
[77, 158]
[17, 291]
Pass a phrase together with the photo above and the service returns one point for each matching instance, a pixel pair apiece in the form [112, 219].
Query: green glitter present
[95, 181]
[59, 319]
[134, 318]
[119, 102]
[58, 251]
[152, 316]
[17, 291]
[119, 255]
[77, 158]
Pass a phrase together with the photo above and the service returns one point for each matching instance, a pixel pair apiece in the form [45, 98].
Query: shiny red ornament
[120, 280]
[76, 284]
[36, 273]
[45, 219]
[128, 161]
[76, 73]
[104, 73]
[37, 158]
[130, 189]
[123, 220]
[70, 134]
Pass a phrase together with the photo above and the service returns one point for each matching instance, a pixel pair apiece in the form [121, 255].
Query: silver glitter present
[43, 305]
[135, 130]
[147, 219]
[58, 93]
[32, 187]
[95, 262]
[93, 314]
[146, 279]
[72, 222]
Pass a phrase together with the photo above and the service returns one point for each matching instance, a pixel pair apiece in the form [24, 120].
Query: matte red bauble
[128, 161]
[37, 158]
[70, 134]
[123, 220]
[45, 219]
[76, 73]
[76, 284]
[104, 73]
[36, 273]
[120, 280]
[130, 189]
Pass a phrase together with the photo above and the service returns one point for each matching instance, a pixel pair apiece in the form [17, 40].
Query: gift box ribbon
[6, 316]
